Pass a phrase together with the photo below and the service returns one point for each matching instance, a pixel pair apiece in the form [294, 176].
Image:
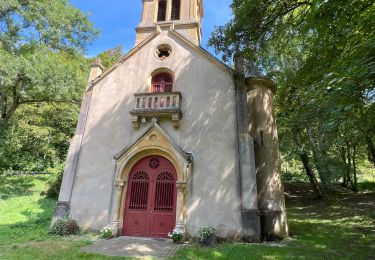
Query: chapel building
[172, 138]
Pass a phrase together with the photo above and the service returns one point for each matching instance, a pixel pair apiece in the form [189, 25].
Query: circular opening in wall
[163, 51]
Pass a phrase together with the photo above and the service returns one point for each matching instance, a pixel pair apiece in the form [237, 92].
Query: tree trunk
[371, 149]
[343, 157]
[8, 113]
[3, 104]
[355, 184]
[318, 155]
[349, 168]
[310, 174]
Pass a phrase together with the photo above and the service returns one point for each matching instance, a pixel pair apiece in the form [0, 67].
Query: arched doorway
[150, 205]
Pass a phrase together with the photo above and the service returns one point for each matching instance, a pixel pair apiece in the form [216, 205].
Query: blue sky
[117, 19]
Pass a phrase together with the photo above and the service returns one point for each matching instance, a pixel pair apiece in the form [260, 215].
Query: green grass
[25, 216]
[345, 229]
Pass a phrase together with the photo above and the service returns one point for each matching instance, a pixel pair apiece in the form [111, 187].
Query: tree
[41, 47]
[37, 137]
[321, 55]
[111, 56]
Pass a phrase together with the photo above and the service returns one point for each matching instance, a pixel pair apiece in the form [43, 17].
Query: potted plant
[206, 236]
[177, 236]
[106, 233]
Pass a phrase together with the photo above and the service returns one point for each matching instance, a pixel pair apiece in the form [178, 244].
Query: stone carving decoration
[154, 163]
[163, 51]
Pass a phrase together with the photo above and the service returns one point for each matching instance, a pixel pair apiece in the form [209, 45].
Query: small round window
[163, 51]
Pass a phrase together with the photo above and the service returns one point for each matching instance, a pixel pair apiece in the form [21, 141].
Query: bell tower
[185, 16]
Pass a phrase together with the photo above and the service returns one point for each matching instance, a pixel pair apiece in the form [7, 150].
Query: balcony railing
[157, 105]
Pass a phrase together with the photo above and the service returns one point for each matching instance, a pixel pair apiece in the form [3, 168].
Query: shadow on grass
[34, 228]
[15, 186]
[312, 238]
[344, 228]
[27, 212]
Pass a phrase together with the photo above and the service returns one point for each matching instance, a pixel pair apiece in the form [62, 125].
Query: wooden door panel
[161, 224]
[136, 224]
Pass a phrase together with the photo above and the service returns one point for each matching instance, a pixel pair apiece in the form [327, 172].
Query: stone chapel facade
[171, 137]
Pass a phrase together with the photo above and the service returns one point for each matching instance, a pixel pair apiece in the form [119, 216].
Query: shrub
[176, 235]
[65, 227]
[206, 236]
[106, 233]
[54, 183]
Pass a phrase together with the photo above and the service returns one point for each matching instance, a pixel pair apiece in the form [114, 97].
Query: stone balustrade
[156, 105]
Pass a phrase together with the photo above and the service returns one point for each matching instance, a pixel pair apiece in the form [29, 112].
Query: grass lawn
[25, 216]
[345, 229]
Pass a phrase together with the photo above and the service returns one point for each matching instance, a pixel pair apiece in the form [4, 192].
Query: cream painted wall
[208, 131]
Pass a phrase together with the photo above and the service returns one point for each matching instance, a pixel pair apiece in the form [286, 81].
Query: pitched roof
[204, 53]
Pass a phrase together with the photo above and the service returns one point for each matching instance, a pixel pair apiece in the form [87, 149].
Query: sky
[117, 19]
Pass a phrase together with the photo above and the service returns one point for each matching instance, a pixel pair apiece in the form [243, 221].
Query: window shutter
[162, 11]
[175, 10]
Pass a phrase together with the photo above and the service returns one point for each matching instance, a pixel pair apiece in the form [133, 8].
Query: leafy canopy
[321, 53]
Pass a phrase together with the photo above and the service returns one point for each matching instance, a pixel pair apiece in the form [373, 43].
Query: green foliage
[111, 56]
[177, 236]
[37, 137]
[64, 227]
[54, 182]
[206, 236]
[321, 55]
[56, 24]
[292, 170]
[106, 233]
[42, 76]
[41, 47]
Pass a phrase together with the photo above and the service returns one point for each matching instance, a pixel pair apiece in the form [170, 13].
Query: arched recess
[153, 141]
[158, 71]
[150, 205]
[162, 82]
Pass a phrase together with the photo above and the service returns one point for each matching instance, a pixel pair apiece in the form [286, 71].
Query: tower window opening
[162, 10]
[175, 15]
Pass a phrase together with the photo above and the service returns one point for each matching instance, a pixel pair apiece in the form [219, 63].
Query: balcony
[157, 105]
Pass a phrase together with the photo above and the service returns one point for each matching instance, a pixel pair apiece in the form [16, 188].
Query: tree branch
[34, 101]
[15, 104]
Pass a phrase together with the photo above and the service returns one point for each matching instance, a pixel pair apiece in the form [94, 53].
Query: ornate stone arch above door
[152, 141]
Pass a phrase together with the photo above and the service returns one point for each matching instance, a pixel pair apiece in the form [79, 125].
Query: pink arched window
[162, 83]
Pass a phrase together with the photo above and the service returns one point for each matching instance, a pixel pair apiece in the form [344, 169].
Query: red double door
[150, 207]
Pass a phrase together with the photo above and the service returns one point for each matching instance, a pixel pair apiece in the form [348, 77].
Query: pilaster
[181, 206]
[120, 190]
[246, 162]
